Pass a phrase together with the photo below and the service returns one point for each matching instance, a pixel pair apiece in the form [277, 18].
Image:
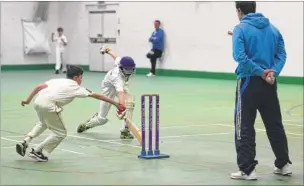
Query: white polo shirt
[60, 92]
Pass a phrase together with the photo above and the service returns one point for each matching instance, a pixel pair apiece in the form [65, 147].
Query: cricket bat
[135, 131]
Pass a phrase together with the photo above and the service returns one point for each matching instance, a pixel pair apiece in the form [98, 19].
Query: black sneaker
[21, 148]
[39, 156]
[64, 71]
[57, 72]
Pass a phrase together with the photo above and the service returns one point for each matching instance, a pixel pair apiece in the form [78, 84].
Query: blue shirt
[157, 39]
[257, 45]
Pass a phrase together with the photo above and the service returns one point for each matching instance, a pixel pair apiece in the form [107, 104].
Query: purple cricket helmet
[127, 65]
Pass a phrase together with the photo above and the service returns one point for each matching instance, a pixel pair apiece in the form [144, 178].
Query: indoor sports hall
[194, 79]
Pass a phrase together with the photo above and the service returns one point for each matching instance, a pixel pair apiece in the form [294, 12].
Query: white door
[109, 31]
[95, 28]
[0, 34]
[102, 23]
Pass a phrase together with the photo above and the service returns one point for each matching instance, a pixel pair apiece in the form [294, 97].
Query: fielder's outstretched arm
[119, 106]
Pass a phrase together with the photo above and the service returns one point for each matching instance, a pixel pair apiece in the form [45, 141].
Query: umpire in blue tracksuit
[157, 40]
[258, 48]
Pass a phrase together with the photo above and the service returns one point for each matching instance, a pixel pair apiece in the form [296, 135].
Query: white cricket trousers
[101, 117]
[60, 59]
[48, 119]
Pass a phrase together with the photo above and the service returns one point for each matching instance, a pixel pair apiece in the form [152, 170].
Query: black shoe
[64, 72]
[39, 156]
[21, 148]
[57, 72]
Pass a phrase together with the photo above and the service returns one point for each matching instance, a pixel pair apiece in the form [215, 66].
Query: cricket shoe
[39, 156]
[21, 148]
[82, 127]
[125, 134]
[284, 171]
[240, 175]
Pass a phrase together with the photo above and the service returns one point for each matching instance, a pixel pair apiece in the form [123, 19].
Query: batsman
[115, 83]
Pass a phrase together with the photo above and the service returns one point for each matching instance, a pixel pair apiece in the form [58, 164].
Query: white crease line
[192, 135]
[105, 141]
[136, 146]
[179, 126]
[187, 126]
[171, 142]
[295, 125]
[293, 120]
[72, 151]
[8, 147]
[290, 133]
[24, 136]
[36, 144]
[215, 124]
[163, 137]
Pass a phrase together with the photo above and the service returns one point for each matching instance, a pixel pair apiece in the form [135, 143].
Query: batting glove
[104, 49]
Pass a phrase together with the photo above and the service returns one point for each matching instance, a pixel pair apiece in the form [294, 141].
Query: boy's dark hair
[158, 21]
[73, 71]
[246, 6]
[59, 29]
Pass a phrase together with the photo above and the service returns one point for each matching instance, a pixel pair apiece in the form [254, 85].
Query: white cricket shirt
[114, 78]
[60, 92]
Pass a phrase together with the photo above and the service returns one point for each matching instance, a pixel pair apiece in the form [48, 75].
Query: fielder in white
[61, 43]
[52, 96]
[115, 83]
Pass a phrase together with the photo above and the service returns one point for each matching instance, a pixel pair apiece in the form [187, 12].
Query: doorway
[103, 29]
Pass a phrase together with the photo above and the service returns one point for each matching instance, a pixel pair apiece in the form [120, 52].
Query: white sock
[124, 125]
[38, 149]
[28, 139]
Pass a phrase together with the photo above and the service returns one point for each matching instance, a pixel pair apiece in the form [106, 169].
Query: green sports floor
[196, 129]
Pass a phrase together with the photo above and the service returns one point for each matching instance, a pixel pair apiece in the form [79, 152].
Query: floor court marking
[172, 142]
[193, 135]
[214, 124]
[104, 141]
[24, 136]
[138, 146]
[7, 147]
[189, 126]
[65, 150]
[180, 136]
[290, 133]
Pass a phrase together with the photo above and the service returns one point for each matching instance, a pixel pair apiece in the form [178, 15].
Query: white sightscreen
[35, 37]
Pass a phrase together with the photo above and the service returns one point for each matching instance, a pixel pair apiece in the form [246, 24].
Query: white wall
[74, 20]
[196, 32]
[12, 36]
